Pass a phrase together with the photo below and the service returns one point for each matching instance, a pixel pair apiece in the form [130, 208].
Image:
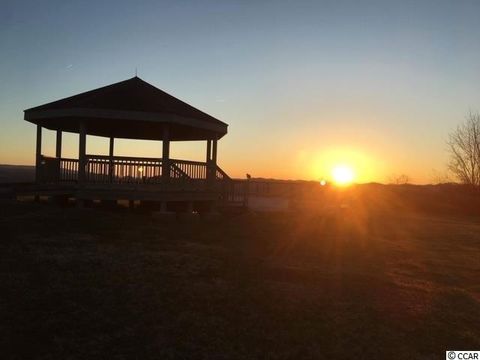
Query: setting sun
[343, 175]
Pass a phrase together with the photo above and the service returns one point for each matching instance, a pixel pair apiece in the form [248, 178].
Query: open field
[368, 280]
[16, 173]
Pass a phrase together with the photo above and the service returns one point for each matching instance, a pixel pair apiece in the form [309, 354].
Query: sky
[304, 85]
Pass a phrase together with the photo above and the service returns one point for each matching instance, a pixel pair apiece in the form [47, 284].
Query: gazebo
[130, 109]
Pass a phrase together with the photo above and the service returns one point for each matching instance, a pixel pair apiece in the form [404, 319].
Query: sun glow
[321, 162]
[343, 175]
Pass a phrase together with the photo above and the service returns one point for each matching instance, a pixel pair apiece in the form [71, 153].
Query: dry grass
[371, 280]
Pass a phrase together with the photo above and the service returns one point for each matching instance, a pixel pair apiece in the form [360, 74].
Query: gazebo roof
[131, 109]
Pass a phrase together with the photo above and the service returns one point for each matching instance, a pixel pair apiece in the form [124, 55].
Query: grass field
[357, 282]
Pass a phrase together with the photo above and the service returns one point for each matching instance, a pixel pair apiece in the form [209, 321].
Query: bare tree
[441, 177]
[464, 149]
[401, 179]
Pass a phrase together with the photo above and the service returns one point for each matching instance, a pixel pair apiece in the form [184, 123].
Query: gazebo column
[214, 169]
[166, 153]
[38, 154]
[58, 155]
[82, 159]
[111, 166]
[209, 150]
[58, 199]
[58, 147]
[209, 160]
[214, 157]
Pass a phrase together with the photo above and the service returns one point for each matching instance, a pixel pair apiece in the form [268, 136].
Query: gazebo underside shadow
[132, 109]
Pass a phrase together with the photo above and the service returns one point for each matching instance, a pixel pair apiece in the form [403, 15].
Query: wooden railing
[189, 169]
[220, 174]
[194, 170]
[123, 169]
[68, 170]
[235, 191]
[126, 170]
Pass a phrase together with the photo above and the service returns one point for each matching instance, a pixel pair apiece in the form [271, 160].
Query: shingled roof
[128, 109]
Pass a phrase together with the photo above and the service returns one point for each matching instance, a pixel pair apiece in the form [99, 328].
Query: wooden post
[214, 156]
[38, 154]
[111, 147]
[209, 150]
[209, 161]
[246, 193]
[166, 153]
[58, 155]
[58, 149]
[111, 166]
[213, 162]
[82, 145]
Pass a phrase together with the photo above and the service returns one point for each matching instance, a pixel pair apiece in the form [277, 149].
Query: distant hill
[16, 173]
